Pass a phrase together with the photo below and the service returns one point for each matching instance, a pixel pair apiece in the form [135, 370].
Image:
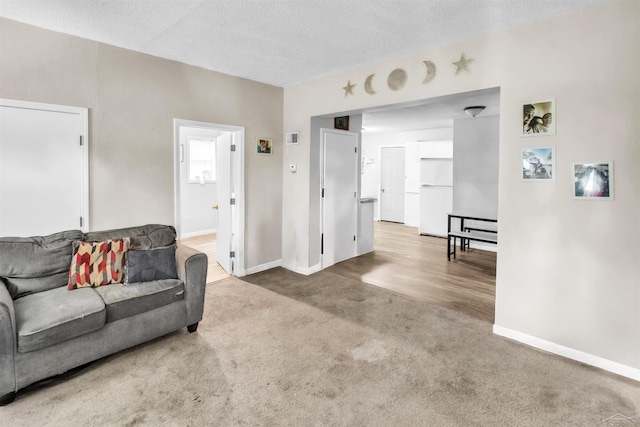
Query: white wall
[585, 302]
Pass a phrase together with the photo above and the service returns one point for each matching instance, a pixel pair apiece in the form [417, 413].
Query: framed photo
[539, 118]
[264, 146]
[341, 122]
[593, 181]
[538, 164]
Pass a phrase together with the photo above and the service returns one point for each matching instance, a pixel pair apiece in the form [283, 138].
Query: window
[202, 161]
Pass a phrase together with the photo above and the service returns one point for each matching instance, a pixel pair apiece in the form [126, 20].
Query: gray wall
[133, 99]
[475, 164]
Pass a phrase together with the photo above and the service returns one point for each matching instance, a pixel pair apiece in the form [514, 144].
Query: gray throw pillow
[151, 264]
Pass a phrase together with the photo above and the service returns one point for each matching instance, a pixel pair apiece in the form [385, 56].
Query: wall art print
[539, 118]
[593, 181]
[538, 163]
[264, 146]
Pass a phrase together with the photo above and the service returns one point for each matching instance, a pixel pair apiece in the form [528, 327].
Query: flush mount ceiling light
[475, 110]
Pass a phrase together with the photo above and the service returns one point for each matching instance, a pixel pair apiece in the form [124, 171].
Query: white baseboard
[264, 267]
[198, 233]
[304, 271]
[570, 353]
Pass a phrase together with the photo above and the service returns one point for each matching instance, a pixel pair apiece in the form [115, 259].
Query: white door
[340, 201]
[392, 161]
[43, 168]
[224, 234]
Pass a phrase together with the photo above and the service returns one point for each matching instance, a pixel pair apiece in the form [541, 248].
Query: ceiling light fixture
[475, 110]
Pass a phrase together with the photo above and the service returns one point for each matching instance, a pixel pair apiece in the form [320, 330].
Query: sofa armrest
[192, 270]
[7, 342]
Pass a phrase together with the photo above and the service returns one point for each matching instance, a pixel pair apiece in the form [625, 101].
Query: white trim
[83, 114]
[264, 267]
[198, 233]
[304, 271]
[570, 353]
[237, 183]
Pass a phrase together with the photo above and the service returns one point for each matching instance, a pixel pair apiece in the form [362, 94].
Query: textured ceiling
[282, 42]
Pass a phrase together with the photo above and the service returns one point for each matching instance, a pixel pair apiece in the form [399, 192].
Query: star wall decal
[463, 64]
[348, 89]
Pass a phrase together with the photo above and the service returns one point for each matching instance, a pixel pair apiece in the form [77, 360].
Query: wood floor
[410, 264]
[207, 244]
[417, 266]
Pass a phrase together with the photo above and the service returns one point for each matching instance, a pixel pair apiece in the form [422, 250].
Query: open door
[224, 235]
[340, 162]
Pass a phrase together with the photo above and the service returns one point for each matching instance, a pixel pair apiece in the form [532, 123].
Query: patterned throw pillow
[98, 263]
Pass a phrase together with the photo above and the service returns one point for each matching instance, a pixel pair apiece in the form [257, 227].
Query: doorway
[392, 177]
[218, 185]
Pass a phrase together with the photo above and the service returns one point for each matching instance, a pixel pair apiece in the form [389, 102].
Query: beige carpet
[282, 349]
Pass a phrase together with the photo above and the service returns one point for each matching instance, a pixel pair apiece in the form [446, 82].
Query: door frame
[237, 183]
[323, 131]
[83, 114]
[380, 175]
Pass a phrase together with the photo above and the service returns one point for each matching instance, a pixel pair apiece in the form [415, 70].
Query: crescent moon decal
[367, 85]
[431, 71]
[397, 79]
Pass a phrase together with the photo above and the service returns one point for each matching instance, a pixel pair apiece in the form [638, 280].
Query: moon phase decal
[431, 71]
[367, 85]
[397, 79]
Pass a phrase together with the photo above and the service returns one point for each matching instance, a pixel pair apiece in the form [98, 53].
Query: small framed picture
[539, 118]
[263, 146]
[538, 163]
[593, 181]
[341, 122]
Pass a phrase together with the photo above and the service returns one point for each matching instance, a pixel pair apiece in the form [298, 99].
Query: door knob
[215, 207]
[383, 190]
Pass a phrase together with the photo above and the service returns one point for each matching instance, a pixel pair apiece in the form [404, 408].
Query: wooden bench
[465, 236]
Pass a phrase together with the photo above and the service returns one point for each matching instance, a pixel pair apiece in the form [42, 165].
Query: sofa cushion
[142, 237]
[146, 265]
[128, 300]
[19, 287]
[35, 264]
[49, 317]
[97, 264]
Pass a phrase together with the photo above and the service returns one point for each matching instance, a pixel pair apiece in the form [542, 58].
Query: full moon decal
[431, 71]
[367, 85]
[397, 79]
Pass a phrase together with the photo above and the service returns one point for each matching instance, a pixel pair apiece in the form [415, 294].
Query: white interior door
[340, 201]
[392, 177]
[224, 234]
[43, 168]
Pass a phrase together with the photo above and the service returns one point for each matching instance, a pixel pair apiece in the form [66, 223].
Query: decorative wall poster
[593, 181]
[538, 164]
[539, 118]
[263, 145]
[341, 122]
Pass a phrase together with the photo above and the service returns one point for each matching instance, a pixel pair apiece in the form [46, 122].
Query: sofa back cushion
[34, 264]
[142, 237]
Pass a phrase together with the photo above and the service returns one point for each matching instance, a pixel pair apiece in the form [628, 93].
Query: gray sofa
[47, 329]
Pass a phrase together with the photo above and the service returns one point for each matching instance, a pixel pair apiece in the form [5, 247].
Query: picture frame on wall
[264, 146]
[341, 122]
[538, 163]
[592, 181]
[539, 117]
